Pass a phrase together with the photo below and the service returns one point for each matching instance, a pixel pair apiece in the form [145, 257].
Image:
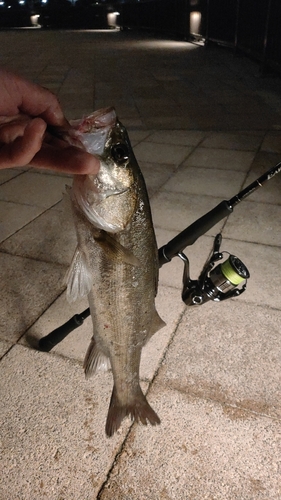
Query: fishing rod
[228, 279]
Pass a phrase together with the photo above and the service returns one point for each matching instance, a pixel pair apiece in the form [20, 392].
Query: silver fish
[115, 263]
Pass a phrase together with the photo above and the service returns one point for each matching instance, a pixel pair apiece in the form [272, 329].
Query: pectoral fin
[78, 278]
[114, 249]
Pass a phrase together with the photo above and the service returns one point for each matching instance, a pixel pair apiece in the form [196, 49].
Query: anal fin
[156, 324]
[95, 360]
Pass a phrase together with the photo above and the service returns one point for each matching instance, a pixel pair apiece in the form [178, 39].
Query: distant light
[112, 19]
[44, 1]
[34, 20]
[1, 4]
[166, 45]
[195, 22]
[21, 2]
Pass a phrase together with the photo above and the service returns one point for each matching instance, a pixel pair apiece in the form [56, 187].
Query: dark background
[248, 26]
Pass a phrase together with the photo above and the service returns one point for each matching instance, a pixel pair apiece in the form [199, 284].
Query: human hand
[26, 110]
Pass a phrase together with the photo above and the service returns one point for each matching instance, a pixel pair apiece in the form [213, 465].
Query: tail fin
[138, 408]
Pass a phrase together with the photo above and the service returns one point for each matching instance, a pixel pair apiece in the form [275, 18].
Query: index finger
[32, 99]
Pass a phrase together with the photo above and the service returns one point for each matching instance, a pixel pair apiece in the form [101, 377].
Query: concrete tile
[137, 136]
[229, 353]
[242, 141]
[179, 137]
[52, 426]
[28, 287]
[133, 123]
[249, 121]
[34, 189]
[155, 175]
[272, 142]
[177, 121]
[201, 181]
[125, 110]
[14, 216]
[207, 451]
[221, 159]
[161, 153]
[158, 107]
[7, 174]
[148, 91]
[176, 211]
[256, 222]
[109, 91]
[4, 347]
[50, 237]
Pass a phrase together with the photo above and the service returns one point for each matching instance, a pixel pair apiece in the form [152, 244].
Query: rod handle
[56, 336]
[193, 232]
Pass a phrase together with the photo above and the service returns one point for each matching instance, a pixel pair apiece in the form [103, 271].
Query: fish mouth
[91, 132]
[102, 118]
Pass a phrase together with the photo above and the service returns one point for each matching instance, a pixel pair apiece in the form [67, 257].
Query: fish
[115, 263]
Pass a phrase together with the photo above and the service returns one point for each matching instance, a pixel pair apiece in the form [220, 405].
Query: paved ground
[203, 124]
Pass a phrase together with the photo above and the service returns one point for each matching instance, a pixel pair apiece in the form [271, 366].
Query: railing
[249, 26]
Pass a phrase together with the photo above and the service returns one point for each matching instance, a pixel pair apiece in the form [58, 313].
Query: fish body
[116, 265]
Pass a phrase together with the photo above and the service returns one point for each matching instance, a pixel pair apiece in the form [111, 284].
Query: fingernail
[60, 119]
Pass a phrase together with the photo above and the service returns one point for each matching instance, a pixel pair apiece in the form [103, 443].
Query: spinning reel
[214, 283]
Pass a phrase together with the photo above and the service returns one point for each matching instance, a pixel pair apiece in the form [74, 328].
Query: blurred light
[2, 4]
[165, 44]
[21, 2]
[112, 19]
[34, 19]
[195, 22]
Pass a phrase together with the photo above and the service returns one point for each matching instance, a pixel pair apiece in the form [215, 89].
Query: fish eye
[120, 152]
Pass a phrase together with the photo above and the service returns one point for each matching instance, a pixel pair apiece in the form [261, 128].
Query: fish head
[108, 199]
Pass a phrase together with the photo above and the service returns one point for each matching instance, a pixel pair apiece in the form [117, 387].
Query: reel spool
[215, 283]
